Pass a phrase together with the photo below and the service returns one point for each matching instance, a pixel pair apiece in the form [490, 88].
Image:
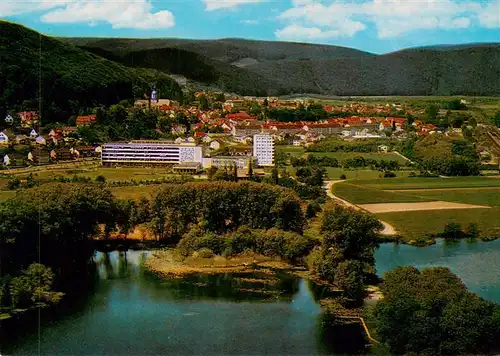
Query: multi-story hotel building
[263, 150]
[150, 153]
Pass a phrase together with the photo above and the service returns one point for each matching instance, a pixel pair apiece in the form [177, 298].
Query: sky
[377, 26]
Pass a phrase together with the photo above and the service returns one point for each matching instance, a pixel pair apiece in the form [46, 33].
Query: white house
[9, 119]
[215, 145]
[40, 140]
[3, 138]
[33, 133]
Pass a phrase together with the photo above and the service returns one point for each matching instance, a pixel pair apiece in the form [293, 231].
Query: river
[127, 311]
[476, 262]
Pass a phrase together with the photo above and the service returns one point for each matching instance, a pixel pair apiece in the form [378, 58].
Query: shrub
[472, 230]
[452, 230]
[389, 174]
[310, 212]
[100, 179]
[205, 253]
[13, 183]
[342, 176]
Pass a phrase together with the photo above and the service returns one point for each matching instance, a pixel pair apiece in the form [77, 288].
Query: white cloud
[137, 14]
[297, 32]
[489, 17]
[16, 7]
[250, 22]
[211, 5]
[391, 18]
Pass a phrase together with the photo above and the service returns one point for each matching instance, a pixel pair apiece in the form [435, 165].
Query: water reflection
[128, 311]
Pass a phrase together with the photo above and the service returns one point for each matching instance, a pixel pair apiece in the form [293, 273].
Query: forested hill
[282, 67]
[69, 77]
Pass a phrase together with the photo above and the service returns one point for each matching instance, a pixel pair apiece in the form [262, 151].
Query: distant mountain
[66, 76]
[248, 66]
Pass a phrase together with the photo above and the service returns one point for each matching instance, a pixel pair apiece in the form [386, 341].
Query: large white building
[150, 152]
[263, 150]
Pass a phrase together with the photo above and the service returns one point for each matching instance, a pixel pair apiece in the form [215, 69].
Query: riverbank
[170, 263]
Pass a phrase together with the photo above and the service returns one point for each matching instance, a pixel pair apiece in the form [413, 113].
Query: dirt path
[388, 230]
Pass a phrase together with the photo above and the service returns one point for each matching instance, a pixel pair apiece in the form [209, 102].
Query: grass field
[420, 224]
[292, 150]
[362, 195]
[111, 174]
[478, 196]
[6, 195]
[341, 156]
[334, 173]
[428, 183]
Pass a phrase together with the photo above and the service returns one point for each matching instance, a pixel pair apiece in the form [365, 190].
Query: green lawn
[111, 174]
[362, 195]
[341, 156]
[479, 196]
[292, 150]
[421, 224]
[429, 183]
[334, 173]
[6, 195]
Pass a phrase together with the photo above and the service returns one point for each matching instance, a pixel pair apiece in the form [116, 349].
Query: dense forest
[320, 69]
[37, 71]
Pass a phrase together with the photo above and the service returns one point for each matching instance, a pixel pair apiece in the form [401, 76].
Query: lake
[127, 311]
[476, 262]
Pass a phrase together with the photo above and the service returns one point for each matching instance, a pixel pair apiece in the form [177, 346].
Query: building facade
[150, 153]
[263, 150]
[230, 161]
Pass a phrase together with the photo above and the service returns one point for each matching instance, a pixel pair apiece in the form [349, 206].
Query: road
[388, 230]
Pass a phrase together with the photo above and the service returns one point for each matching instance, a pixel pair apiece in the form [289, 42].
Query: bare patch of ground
[434, 205]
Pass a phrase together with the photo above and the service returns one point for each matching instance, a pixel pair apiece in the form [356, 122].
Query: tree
[250, 168]
[472, 230]
[496, 119]
[310, 212]
[100, 179]
[452, 230]
[203, 102]
[266, 102]
[432, 313]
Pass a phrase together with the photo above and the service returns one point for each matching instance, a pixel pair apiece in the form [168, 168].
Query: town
[211, 125]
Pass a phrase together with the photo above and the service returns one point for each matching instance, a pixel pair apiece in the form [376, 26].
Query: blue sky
[377, 26]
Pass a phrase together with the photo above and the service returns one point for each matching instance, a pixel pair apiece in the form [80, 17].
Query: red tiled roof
[85, 120]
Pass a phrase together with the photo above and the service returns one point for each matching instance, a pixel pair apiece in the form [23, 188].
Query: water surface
[476, 262]
[127, 311]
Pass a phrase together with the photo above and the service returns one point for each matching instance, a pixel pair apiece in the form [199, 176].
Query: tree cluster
[346, 256]
[273, 242]
[432, 313]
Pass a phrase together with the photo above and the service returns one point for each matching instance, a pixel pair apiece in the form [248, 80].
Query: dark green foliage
[100, 179]
[452, 230]
[72, 79]
[342, 176]
[13, 183]
[432, 313]
[472, 231]
[456, 104]
[496, 119]
[59, 217]
[347, 251]
[389, 174]
[224, 206]
[307, 68]
[288, 245]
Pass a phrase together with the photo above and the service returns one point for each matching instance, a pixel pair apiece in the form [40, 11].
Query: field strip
[438, 189]
[434, 205]
[388, 229]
